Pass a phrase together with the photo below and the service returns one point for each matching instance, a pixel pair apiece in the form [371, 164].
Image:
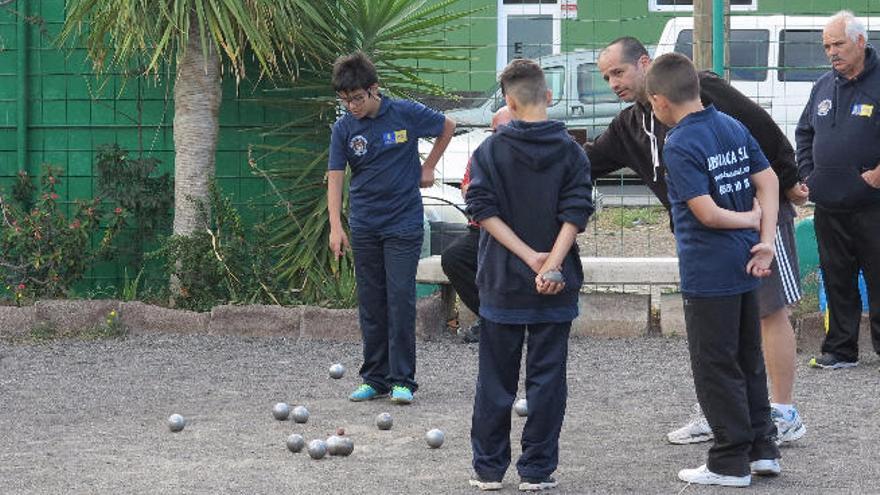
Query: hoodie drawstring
[655, 155]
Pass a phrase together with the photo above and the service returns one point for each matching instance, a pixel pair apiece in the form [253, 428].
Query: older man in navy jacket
[838, 153]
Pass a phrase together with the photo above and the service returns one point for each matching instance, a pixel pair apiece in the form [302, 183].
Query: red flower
[20, 286]
[118, 211]
[54, 195]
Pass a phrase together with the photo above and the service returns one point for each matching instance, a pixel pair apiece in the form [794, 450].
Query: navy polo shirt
[383, 153]
[711, 153]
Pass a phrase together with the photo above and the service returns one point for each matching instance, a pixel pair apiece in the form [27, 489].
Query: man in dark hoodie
[838, 151]
[530, 191]
[635, 139]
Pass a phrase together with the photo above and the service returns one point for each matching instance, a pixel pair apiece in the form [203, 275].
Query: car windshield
[490, 94]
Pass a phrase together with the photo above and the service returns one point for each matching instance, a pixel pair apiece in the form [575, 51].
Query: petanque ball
[553, 276]
[317, 449]
[295, 442]
[435, 438]
[521, 407]
[300, 414]
[384, 421]
[333, 442]
[176, 422]
[281, 411]
[337, 371]
[346, 446]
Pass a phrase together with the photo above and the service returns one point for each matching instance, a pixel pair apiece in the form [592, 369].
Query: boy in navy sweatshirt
[715, 171]
[530, 191]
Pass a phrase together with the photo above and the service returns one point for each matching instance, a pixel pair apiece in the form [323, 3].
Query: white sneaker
[766, 467]
[697, 430]
[702, 476]
[787, 429]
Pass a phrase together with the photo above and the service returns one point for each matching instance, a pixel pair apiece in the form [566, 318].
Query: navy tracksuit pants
[546, 391]
[724, 340]
[385, 271]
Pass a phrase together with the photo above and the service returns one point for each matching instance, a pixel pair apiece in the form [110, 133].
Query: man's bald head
[501, 116]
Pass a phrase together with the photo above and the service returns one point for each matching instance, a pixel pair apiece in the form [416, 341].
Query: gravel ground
[89, 417]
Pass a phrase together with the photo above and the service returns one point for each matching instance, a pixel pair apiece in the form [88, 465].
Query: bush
[43, 250]
[218, 264]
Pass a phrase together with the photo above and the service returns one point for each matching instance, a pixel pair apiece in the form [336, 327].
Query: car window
[555, 77]
[748, 52]
[801, 56]
[591, 87]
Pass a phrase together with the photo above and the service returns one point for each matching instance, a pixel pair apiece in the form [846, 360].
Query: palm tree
[398, 35]
[196, 41]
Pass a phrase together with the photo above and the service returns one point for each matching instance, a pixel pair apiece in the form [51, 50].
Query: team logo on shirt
[358, 145]
[862, 110]
[394, 137]
[824, 108]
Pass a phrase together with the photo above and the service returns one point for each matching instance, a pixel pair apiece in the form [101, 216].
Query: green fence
[54, 110]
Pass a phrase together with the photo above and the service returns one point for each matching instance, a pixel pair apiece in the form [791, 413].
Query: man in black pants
[838, 150]
[459, 260]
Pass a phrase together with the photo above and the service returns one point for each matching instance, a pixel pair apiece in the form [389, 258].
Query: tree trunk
[197, 95]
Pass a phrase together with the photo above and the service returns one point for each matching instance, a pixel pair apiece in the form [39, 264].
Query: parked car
[581, 99]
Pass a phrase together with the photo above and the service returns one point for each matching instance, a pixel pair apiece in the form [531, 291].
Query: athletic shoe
[537, 485]
[365, 392]
[829, 361]
[765, 467]
[485, 485]
[401, 395]
[471, 334]
[787, 429]
[697, 430]
[702, 476]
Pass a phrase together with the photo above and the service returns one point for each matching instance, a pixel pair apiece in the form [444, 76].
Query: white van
[774, 60]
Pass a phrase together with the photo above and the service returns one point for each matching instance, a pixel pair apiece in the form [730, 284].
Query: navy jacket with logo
[534, 177]
[838, 137]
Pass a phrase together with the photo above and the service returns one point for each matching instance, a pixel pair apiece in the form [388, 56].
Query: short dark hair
[674, 76]
[353, 72]
[524, 80]
[631, 49]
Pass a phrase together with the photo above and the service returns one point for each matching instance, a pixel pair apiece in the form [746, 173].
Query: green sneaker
[401, 395]
[365, 392]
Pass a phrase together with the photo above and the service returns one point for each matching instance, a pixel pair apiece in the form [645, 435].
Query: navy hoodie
[838, 138]
[534, 177]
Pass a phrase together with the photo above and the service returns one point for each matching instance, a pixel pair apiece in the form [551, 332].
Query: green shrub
[43, 249]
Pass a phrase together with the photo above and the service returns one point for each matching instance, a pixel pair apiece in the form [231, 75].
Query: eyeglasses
[358, 99]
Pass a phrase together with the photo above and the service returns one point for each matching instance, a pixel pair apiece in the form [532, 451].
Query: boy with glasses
[378, 139]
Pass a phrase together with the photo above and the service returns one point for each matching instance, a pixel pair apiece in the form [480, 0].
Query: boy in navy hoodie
[530, 191]
[715, 171]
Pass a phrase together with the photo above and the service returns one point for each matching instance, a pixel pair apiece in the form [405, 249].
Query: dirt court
[89, 417]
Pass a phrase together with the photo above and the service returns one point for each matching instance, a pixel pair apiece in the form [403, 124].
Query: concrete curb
[74, 316]
[602, 315]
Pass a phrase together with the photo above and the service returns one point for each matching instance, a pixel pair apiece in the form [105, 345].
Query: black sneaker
[537, 485]
[829, 361]
[484, 484]
[471, 334]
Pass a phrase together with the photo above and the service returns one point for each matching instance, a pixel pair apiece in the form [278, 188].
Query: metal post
[22, 117]
[718, 37]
